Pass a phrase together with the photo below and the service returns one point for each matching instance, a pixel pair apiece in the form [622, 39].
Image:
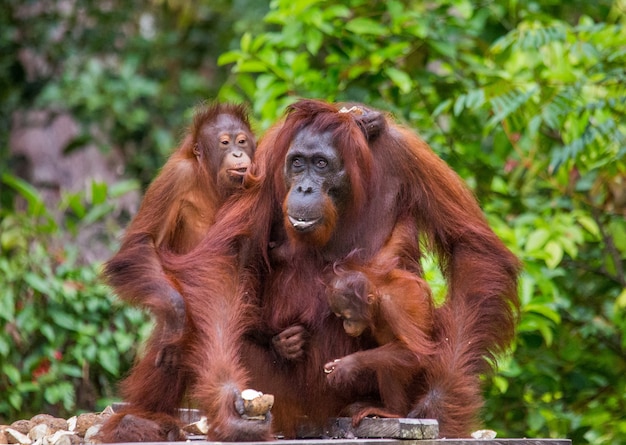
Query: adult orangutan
[324, 192]
[178, 208]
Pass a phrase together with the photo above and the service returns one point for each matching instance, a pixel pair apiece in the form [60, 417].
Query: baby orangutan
[396, 307]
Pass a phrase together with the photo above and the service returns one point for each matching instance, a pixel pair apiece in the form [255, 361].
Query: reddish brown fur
[175, 214]
[397, 307]
[233, 287]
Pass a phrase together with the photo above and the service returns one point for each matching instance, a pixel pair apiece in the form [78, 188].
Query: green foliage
[64, 339]
[526, 101]
[130, 73]
[559, 98]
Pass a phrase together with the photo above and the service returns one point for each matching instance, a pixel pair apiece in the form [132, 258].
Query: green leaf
[336, 11]
[475, 98]
[364, 25]
[537, 240]
[617, 229]
[28, 386]
[533, 323]
[506, 104]
[544, 310]
[446, 49]
[15, 399]
[229, 57]
[251, 66]
[7, 304]
[555, 254]
[4, 347]
[36, 206]
[12, 373]
[314, 40]
[442, 107]
[74, 201]
[40, 284]
[246, 39]
[121, 188]
[400, 78]
[99, 192]
[501, 383]
[124, 340]
[620, 301]
[77, 143]
[13, 238]
[589, 224]
[527, 289]
[275, 17]
[60, 392]
[109, 359]
[71, 370]
[535, 420]
[62, 319]
[97, 213]
[459, 104]
[48, 332]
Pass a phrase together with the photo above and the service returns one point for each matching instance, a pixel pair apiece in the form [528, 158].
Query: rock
[3, 436]
[81, 423]
[23, 426]
[44, 429]
[71, 424]
[92, 434]
[55, 423]
[63, 438]
[39, 431]
[15, 437]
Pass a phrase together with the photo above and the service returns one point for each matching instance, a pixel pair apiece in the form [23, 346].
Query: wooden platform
[359, 441]
[371, 431]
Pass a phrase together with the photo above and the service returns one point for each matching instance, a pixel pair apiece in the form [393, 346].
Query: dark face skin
[315, 178]
[351, 324]
[346, 299]
[231, 146]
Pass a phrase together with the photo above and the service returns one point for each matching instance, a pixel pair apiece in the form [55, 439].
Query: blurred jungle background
[525, 99]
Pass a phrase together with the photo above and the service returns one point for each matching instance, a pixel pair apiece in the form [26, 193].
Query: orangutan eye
[321, 163]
